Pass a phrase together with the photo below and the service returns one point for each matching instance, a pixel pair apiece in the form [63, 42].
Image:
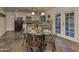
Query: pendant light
[33, 13]
[42, 12]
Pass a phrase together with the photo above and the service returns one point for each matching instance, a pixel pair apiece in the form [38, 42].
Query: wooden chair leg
[23, 40]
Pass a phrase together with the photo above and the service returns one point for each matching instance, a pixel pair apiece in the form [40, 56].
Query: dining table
[38, 39]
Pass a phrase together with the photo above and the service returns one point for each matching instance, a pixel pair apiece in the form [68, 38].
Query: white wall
[10, 21]
[78, 24]
[7, 23]
[11, 15]
[62, 11]
[2, 22]
[2, 10]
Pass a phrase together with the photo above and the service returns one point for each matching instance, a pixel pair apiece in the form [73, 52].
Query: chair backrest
[29, 39]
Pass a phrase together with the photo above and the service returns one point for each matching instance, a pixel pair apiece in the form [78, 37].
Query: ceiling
[27, 9]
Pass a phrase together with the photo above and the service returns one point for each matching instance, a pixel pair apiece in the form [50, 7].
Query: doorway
[18, 24]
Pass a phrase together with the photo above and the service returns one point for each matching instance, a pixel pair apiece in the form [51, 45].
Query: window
[58, 23]
[69, 24]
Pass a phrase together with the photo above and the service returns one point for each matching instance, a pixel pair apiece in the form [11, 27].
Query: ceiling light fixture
[33, 13]
[42, 13]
